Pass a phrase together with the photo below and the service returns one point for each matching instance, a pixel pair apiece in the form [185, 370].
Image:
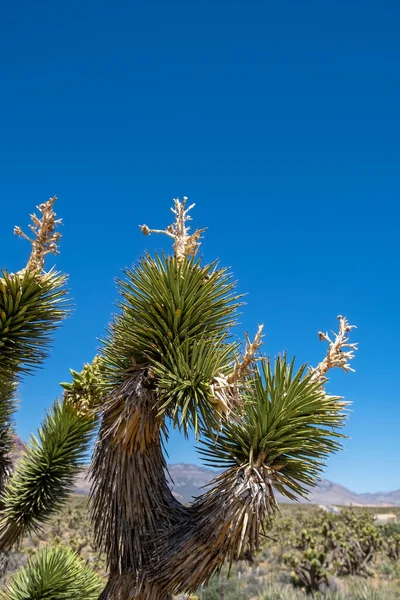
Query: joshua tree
[32, 305]
[168, 359]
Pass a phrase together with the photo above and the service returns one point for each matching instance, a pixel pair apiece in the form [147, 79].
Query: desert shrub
[281, 592]
[310, 569]
[359, 539]
[223, 587]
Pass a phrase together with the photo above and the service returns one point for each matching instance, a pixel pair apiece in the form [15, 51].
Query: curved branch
[148, 536]
[45, 476]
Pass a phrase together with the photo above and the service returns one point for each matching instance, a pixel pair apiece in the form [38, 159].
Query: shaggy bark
[131, 501]
[155, 546]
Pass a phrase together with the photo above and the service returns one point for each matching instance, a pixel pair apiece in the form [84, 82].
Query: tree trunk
[156, 547]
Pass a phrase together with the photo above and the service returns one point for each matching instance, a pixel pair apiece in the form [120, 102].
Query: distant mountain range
[188, 481]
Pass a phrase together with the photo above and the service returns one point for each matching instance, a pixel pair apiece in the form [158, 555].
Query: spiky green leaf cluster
[44, 476]
[175, 318]
[54, 574]
[288, 424]
[31, 307]
[85, 392]
[184, 382]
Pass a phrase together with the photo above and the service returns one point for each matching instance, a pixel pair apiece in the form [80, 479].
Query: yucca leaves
[288, 424]
[164, 302]
[184, 377]
[54, 574]
[175, 318]
[31, 307]
[44, 477]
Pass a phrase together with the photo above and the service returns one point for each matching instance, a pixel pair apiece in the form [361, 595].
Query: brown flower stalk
[243, 368]
[184, 244]
[45, 238]
[336, 356]
[225, 389]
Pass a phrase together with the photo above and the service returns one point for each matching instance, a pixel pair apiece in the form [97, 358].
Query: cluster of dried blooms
[45, 240]
[336, 356]
[184, 244]
[225, 389]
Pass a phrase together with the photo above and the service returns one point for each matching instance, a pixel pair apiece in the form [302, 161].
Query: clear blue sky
[279, 119]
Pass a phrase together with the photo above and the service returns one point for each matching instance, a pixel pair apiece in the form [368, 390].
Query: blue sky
[279, 119]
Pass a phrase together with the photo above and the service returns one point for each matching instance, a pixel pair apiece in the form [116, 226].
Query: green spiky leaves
[44, 477]
[31, 307]
[288, 424]
[184, 381]
[174, 317]
[54, 574]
